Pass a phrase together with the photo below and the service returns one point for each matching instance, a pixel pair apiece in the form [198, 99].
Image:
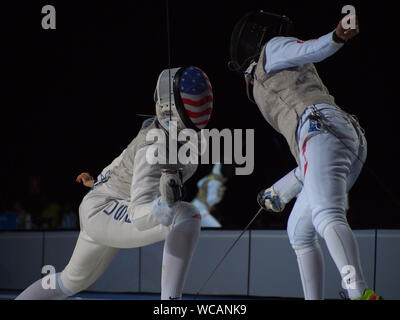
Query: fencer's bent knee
[300, 231]
[173, 214]
[306, 248]
[299, 239]
[322, 217]
[186, 211]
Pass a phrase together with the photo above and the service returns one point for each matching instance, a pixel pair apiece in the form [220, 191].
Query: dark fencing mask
[251, 33]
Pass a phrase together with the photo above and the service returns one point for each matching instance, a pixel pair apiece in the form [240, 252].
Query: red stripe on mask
[192, 114]
[198, 103]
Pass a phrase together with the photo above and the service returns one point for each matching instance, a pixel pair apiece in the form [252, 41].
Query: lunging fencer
[136, 200]
[328, 144]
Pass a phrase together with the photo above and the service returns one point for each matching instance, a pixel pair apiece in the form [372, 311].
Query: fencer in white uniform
[136, 200]
[211, 190]
[328, 144]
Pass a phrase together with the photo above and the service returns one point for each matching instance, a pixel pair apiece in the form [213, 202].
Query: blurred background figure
[211, 190]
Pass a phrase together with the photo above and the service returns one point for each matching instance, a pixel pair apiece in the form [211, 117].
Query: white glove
[270, 200]
[171, 186]
[163, 212]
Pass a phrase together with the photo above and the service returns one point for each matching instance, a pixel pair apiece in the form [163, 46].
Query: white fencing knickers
[330, 164]
[106, 227]
[331, 157]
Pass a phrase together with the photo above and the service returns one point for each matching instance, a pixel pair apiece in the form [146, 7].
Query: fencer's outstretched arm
[281, 192]
[289, 186]
[287, 52]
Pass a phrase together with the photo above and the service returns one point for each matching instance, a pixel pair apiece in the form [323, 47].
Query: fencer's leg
[36, 291]
[89, 260]
[310, 260]
[118, 223]
[178, 250]
[343, 248]
[311, 267]
[326, 184]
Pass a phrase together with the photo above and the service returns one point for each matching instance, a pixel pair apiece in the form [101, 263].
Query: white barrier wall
[388, 263]
[262, 263]
[21, 258]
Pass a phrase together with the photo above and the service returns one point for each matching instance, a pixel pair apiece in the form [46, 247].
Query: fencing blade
[229, 250]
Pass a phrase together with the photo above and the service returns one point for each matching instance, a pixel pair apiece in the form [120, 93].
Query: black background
[71, 95]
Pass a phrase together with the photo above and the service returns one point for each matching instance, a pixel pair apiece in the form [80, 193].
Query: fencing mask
[183, 95]
[251, 33]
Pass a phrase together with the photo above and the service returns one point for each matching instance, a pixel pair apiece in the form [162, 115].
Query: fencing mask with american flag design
[184, 95]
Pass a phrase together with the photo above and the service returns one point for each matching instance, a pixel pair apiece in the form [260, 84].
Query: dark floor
[10, 295]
